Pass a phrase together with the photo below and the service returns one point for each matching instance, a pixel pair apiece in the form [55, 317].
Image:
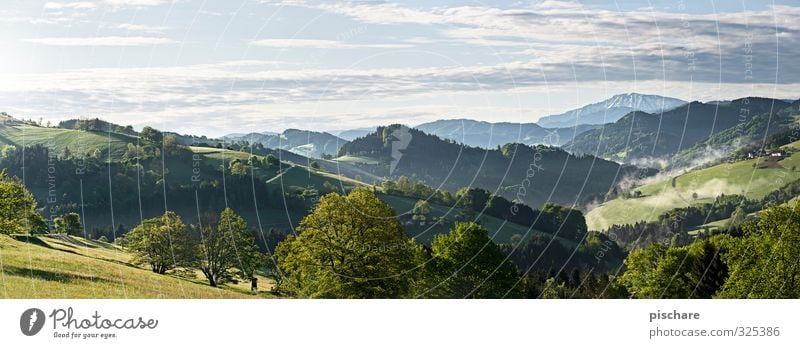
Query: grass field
[59, 266]
[58, 139]
[701, 186]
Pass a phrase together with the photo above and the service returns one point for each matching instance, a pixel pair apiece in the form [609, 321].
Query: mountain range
[643, 136]
[490, 135]
[530, 174]
[610, 110]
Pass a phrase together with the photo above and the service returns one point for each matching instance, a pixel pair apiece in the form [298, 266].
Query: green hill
[57, 139]
[641, 136]
[752, 178]
[533, 175]
[734, 142]
[60, 266]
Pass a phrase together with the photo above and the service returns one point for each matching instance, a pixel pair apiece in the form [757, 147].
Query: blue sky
[216, 67]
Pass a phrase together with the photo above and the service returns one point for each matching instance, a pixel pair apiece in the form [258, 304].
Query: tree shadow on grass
[63, 277]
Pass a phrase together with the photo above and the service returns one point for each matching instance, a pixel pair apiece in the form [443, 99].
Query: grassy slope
[728, 178]
[72, 267]
[57, 139]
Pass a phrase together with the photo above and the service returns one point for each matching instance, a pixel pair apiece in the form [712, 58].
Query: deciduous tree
[161, 242]
[226, 250]
[348, 247]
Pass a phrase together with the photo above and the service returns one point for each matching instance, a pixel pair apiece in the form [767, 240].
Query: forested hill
[640, 135]
[760, 132]
[531, 174]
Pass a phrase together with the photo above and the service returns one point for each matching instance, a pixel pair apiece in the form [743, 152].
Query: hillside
[60, 266]
[490, 135]
[19, 134]
[611, 110]
[641, 136]
[735, 141]
[267, 196]
[533, 175]
[137, 182]
[753, 178]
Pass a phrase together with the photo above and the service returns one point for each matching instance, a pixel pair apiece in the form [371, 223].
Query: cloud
[251, 94]
[69, 5]
[606, 44]
[136, 3]
[151, 29]
[320, 44]
[111, 41]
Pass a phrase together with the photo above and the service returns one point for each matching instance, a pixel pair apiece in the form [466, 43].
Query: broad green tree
[226, 250]
[765, 263]
[348, 247]
[161, 242]
[151, 134]
[422, 210]
[659, 271]
[17, 208]
[69, 223]
[469, 265]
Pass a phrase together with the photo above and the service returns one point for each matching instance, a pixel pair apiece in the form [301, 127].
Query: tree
[421, 210]
[315, 165]
[764, 263]
[737, 218]
[709, 272]
[567, 222]
[348, 247]
[272, 161]
[18, 208]
[160, 242]
[659, 271]
[69, 223]
[468, 264]
[473, 198]
[226, 250]
[237, 168]
[151, 134]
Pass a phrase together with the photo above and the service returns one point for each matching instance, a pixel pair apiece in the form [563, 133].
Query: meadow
[751, 178]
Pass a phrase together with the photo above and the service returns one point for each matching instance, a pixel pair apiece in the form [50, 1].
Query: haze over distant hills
[611, 110]
[490, 135]
[302, 142]
[351, 134]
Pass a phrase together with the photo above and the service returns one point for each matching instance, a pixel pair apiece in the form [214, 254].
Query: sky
[233, 66]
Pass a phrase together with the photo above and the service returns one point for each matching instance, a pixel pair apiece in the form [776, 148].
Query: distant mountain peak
[611, 110]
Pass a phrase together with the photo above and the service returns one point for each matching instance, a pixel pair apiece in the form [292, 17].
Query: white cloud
[69, 5]
[136, 3]
[101, 41]
[252, 94]
[320, 44]
[142, 28]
